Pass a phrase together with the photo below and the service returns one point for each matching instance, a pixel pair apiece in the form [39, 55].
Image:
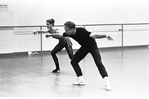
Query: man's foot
[80, 81]
[56, 71]
[108, 87]
[107, 84]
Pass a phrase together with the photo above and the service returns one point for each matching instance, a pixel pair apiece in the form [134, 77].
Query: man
[88, 45]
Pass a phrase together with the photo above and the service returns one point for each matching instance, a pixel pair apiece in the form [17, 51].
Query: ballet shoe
[107, 84]
[56, 71]
[108, 87]
[80, 81]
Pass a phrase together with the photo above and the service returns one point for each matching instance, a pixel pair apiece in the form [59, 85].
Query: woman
[63, 42]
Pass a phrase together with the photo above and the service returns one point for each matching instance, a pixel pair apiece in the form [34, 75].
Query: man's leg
[97, 58]
[79, 55]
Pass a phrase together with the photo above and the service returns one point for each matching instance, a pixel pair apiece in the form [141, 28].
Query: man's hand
[109, 38]
[69, 43]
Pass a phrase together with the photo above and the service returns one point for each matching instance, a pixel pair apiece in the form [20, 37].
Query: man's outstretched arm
[98, 36]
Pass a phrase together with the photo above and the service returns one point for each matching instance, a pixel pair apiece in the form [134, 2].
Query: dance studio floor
[30, 76]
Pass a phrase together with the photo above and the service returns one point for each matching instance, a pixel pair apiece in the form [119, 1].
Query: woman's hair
[51, 21]
[70, 25]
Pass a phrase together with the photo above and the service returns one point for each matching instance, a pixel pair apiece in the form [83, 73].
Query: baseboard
[49, 51]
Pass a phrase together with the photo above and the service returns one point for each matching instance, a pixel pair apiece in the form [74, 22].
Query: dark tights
[58, 48]
[81, 53]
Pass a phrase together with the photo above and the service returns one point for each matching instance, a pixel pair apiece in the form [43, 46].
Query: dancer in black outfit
[88, 45]
[63, 42]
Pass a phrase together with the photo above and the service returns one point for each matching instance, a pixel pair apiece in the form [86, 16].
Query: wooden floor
[30, 76]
